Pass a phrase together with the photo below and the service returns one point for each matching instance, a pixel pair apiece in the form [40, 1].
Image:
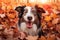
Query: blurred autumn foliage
[9, 4]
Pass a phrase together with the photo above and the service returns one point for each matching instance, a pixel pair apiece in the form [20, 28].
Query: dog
[30, 19]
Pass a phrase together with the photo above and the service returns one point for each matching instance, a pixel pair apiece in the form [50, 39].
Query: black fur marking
[20, 10]
[39, 14]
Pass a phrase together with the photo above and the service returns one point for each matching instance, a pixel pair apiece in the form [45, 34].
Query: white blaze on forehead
[28, 8]
[29, 13]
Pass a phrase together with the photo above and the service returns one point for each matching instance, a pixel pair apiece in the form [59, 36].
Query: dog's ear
[39, 9]
[20, 10]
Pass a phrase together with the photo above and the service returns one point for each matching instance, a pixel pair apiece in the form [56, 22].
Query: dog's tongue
[29, 25]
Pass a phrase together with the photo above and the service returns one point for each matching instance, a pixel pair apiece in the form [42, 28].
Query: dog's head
[30, 14]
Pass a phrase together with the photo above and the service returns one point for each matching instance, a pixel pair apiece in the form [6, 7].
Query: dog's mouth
[29, 24]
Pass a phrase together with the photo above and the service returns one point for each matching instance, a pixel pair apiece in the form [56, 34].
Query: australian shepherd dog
[30, 19]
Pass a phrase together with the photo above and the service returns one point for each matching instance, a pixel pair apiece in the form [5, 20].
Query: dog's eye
[33, 11]
[25, 11]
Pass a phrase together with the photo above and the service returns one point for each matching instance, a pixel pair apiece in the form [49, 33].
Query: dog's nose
[29, 18]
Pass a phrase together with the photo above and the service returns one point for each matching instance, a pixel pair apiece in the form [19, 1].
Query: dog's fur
[35, 18]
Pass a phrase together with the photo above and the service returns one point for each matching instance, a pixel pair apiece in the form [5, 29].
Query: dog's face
[30, 14]
[29, 18]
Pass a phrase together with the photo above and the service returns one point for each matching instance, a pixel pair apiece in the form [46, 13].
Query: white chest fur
[31, 31]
